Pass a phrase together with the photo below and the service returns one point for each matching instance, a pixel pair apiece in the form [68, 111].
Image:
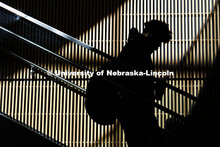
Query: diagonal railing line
[30, 129]
[43, 49]
[43, 69]
[43, 25]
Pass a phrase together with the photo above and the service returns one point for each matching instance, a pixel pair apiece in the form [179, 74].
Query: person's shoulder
[134, 35]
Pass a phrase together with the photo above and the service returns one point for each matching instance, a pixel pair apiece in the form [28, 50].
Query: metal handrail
[43, 49]
[44, 70]
[34, 131]
[53, 30]
[43, 25]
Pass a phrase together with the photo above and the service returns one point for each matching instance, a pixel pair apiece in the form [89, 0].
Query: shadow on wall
[13, 134]
[202, 126]
[206, 112]
[71, 17]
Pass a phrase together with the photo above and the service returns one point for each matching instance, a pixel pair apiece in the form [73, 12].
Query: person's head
[157, 31]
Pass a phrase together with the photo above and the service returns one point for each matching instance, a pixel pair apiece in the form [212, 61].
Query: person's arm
[159, 89]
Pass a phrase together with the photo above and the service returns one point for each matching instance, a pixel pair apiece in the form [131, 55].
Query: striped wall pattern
[58, 112]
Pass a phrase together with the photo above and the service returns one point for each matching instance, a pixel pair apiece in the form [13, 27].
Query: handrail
[44, 70]
[43, 49]
[53, 30]
[43, 25]
[34, 131]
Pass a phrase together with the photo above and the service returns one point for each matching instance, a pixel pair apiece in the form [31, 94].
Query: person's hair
[158, 30]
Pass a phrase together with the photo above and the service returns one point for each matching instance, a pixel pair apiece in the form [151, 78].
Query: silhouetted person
[105, 101]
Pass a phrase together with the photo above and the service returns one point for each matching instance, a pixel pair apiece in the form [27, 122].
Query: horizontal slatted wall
[58, 112]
